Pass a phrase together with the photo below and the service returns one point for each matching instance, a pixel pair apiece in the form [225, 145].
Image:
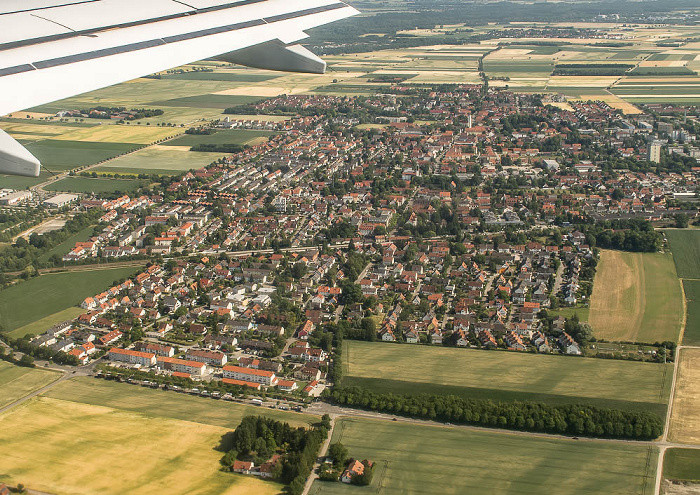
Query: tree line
[563, 419]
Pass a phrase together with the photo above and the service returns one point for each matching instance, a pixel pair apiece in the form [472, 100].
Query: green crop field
[95, 185]
[682, 464]
[506, 376]
[208, 101]
[65, 155]
[43, 324]
[21, 183]
[42, 296]
[17, 382]
[416, 459]
[242, 136]
[685, 245]
[59, 446]
[691, 336]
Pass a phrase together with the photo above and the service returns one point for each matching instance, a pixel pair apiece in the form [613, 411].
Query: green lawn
[581, 312]
[682, 464]
[503, 375]
[242, 136]
[95, 185]
[42, 296]
[17, 382]
[691, 336]
[158, 403]
[415, 459]
[68, 244]
[56, 154]
[685, 245]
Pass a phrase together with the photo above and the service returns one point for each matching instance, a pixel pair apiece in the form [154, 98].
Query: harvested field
[636, 298]
[63, 447]
[685, 416]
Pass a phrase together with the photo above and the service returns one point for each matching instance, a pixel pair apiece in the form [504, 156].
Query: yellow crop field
[63, 447]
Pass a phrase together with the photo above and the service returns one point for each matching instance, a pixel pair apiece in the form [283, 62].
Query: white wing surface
[54, 49]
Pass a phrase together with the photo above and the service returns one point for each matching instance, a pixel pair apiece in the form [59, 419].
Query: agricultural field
[95, 185]
[497, 375]
[636, 298]
[62, 447]
[135, 399]
[242, 136]
[134, 132]
[220, 101]
[43, 324]
[691, 335]
[685, 245]
[39, 297]
[57, 155]
[682, 464]
[17, 382]
[159, 159]
[416, 459]
[685, 422]
[21, 183]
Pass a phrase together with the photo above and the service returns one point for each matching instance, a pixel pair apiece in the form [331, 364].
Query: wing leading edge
[79, 47]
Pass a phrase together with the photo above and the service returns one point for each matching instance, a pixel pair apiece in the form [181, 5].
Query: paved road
[322, 455]
[24, 399]
[665, 444]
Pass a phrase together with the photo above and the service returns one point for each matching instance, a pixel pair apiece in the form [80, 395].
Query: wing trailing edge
[77, 46]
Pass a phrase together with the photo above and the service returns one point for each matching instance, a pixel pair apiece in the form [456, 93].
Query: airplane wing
[54, 49]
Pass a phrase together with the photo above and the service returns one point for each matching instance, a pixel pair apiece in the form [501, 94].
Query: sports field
[682, 464]
[63, 447]
[506, 375]
[685, 420]
[42, 296]
[685, 245]
[17, 382]
[636, 298]
[416, 459]
[691, 335]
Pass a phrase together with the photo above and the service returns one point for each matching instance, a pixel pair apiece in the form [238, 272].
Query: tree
[27, 361]
[299, 270]
[680, 221]
[326, 420]
[339, 453]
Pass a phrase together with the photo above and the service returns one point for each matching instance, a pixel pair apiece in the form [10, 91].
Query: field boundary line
[385, 468]
[684, 319]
